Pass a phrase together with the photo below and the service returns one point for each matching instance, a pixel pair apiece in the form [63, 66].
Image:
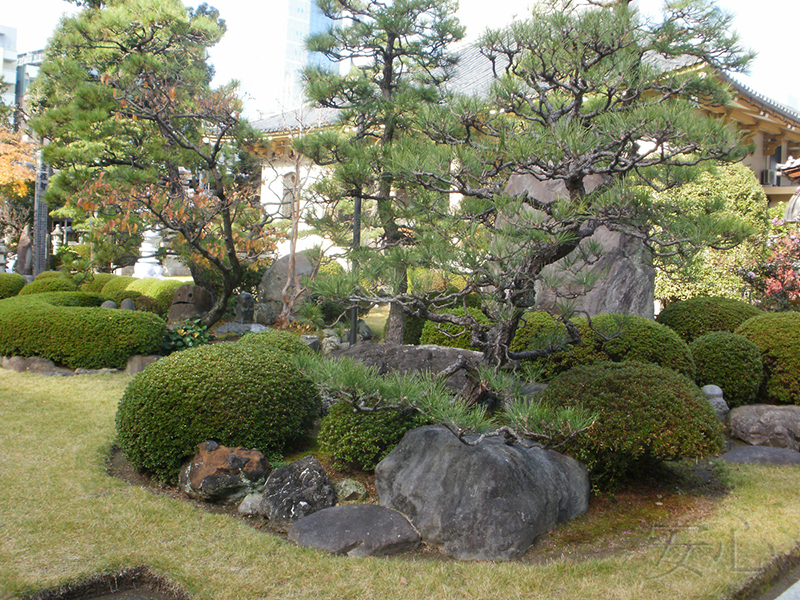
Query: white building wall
[8, 54]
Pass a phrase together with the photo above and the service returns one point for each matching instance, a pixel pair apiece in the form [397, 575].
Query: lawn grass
[63, 519]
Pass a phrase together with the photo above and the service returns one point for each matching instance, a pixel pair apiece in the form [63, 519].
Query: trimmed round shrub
[452, 336]
[11, 284]
[614, 338]
[70, 329]
[363, 439]
[161, 290]
[645, 414]
[695, 317]
[49, 275]
[117, 284]
[279, 340]
[730, 361]
[49, 284]
[777, 336]
[222, 392]
[94, 282]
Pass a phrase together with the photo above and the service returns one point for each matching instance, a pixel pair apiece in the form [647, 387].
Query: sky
[247, 54]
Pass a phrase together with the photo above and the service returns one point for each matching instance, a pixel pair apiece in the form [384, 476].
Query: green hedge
[730, 361]
[94, 282]
[11, 284]
[49, 284]
[777, 336]
[695, 317]
[222, 392]
[117, 284]
[614, 338]
[645, 414]
[70, 329]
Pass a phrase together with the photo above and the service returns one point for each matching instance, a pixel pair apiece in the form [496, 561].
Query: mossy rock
[221, 392]
[777, 336]
[731, 362]
[695, 317]
[645, 414]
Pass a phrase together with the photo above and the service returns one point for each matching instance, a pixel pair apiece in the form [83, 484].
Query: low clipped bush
[453, 336]
[145, 303]
[94, 282]
[777, 336]
[695, 317]
[161, 290]
[279, 340]
[49, 275]
[645, 414]
[614, 338]
[117, 284]
[71, 329]
[11, 284]
[57, 283]
[362, 439]
[731, 362]
[221, 392]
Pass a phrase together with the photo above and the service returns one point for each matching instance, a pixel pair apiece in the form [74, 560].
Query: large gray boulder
[295, 491]
[766, 425]
[762, 455]
[404, 359]
[626, 283]
[269, 302]
[485, 502]
[356, 530]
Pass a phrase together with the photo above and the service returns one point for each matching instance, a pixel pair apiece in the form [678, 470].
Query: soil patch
[138, 583]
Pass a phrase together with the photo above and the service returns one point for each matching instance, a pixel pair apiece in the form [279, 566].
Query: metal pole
[356, 244]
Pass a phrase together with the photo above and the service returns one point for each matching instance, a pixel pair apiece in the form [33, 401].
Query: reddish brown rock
[221, 474]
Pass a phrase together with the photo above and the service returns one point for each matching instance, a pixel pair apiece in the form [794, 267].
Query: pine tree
[399, 60]
[581, 90]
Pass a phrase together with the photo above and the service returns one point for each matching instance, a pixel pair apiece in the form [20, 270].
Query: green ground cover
[62, 519]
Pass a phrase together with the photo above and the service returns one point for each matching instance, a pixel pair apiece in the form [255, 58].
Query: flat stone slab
[356, 530]
[762, 455]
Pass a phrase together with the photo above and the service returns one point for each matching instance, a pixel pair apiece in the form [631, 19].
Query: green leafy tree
[712, 272]
[581, 91]
[140, 138]
[399, 51]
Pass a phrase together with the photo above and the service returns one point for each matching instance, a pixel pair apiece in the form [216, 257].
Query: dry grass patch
[63, 519]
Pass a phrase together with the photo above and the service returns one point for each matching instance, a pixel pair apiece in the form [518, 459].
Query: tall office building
[304, 18]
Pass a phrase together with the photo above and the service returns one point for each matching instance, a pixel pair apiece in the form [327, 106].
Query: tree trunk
[396, 323]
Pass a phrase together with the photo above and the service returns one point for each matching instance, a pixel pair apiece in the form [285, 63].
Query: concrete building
[8, 57]
[27, 69]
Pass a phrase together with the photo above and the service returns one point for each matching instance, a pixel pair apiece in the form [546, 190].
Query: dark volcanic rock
[356, 530]
[296, 490]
